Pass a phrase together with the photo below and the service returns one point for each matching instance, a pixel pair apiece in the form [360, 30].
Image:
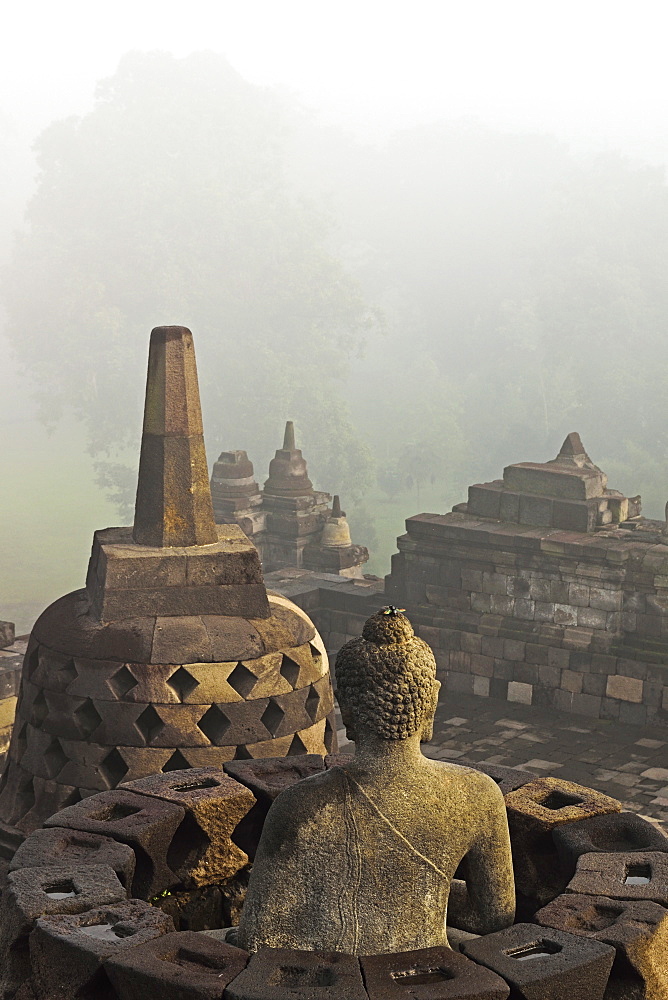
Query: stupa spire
[288, 474]
[289, 436]
[173, 506]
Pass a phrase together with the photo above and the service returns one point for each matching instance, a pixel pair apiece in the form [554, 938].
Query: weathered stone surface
[637, 930]
[571, 475]
[637, 875]
[58, 846]
[266, 779]
[148, 825]
[127, 580]
[546, 803]
[173, 496]
[174, 655]
[67, 951]
[609, 833]
[509, 779]
[624, 688]
[534, 811]
[7, 634]
[193, 909]
[216, 804]
[438, 973]
[175, 966]
[279, 974]
[545, 964]
[302, 892]
[33, 892]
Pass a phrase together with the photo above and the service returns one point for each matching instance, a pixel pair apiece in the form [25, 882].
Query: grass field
[49, 507]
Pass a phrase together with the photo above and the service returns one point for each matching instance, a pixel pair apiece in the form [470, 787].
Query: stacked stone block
[289, 522]
[71, 929]
[534, 613]
[174, 655]
[540, 616]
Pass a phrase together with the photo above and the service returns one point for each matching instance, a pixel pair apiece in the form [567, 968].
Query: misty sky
[581, 68]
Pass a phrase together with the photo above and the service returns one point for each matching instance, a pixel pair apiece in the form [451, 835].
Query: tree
[169, 203]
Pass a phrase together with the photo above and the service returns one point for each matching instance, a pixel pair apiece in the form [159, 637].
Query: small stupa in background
[174, 655]
[334, 552]
[289, 521]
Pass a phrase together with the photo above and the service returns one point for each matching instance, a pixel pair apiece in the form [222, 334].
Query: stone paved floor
[628, 762]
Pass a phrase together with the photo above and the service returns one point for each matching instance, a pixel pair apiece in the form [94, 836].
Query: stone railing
[106, 900]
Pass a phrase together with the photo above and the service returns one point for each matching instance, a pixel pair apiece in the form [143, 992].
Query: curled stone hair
[385, 678]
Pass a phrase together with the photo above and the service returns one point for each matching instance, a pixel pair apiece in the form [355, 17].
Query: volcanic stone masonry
[546, 588]
[289, 522]
[174, 655]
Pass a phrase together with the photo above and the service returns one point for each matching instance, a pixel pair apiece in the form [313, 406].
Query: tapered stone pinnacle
[289, 436]
[173, 506]
[336, 507]
[572, 446]
[288, 475]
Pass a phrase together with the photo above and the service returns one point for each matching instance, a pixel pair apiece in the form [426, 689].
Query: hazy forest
[426, 308]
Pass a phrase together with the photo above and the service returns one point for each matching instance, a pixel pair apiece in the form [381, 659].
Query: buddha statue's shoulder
[452, 775]
[307, 798]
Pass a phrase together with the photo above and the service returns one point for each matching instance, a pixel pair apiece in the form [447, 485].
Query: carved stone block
[216, 803]
[545, 964]
[67, 951]
[148, 825]
[173, 966]
[279, 974]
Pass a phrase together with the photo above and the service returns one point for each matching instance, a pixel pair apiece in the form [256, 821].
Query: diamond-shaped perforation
[176, 762]
[272, 717]
[122, 681]
[31, 662]
[149, 724]
[296, 747]
[21, 741]
[25, 798]
[330, 734]
[182, 683]
[54, 758]
[87, 717]
[243, 753]
[312, 703]
[113, 768]
[214, 724]
[242, 680]
[316, 654]
[290, 670]
[68, 673]
[40, 710]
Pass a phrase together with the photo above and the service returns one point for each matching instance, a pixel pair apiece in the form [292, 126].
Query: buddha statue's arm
[485, 902]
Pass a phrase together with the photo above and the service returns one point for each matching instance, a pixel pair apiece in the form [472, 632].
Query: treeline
[427, 309]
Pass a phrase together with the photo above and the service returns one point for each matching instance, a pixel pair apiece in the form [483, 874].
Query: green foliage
[168, 203]
[522, 288]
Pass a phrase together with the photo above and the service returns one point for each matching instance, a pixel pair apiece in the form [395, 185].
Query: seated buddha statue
[361, 858]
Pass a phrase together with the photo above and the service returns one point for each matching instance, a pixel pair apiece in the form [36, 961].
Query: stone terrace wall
[541, 616]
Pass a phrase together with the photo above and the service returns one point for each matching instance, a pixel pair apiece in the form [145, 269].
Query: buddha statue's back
[361, 858]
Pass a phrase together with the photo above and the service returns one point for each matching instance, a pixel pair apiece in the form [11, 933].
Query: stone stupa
[174, 655]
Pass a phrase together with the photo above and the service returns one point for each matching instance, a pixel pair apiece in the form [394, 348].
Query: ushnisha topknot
[385, 678]
[388, 625]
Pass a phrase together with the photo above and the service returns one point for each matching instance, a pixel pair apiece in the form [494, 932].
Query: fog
[436, 238]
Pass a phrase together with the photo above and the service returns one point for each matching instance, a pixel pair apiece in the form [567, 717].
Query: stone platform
[630, 763]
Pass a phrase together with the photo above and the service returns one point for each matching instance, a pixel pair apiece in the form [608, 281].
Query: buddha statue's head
[386, 681]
